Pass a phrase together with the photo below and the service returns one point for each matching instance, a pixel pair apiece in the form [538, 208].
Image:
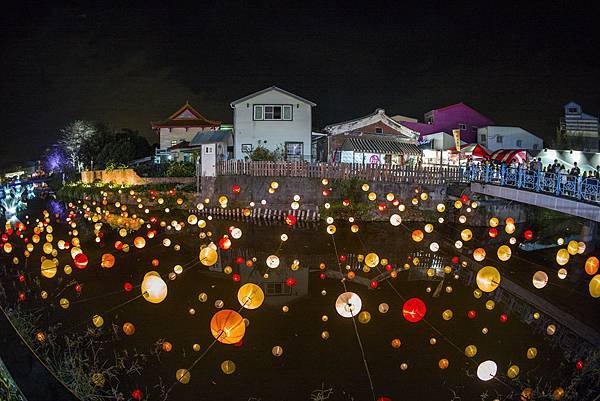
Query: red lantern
[374, 284]
[118, 245]
[128, 286]
[382, 207]
[493, 232]
[22, 296]
[528, 235]
[236, 189]
[455, 259]
[472, 314]
[384, 399]
[78, 288]
[290, 282]
[137, 394]
[503, 318]
[224, 243]
[396, 202]
[343, 258]
[414, 310]
[326, 192]
[322, 276]
[290, 220]
[579, 365]
[388, 267]
[346, 202]
[236, 277]
[21, 278]
[464, 199]
[239, 260]
[81, 261]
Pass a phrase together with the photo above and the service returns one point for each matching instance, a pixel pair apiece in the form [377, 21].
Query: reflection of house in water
[276, 290]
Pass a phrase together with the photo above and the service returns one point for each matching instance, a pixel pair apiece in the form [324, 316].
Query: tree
[72, 139]
[263, 154]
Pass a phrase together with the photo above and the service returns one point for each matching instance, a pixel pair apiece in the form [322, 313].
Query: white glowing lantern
[296, 198]
[273, 261]
[434, 246]
[562, 273]
[154, 289]
[395, 220]
[540, 279]
[458, 244]
[329, 220]
[348, 304]
[284, 237]
[487, 370]
[236, 233]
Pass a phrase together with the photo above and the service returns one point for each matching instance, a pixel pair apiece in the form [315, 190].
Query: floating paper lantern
[154, 289]
[414, 310]
[562, 273]
[441, 207]
[513, 371]
[48, 268]
[504, 252]
[447, 314]
[558, 393]
[479, 254]
[594, 286]
[383, 307]
[428, 228]
[540, 279]
[562, 256]
[277, 350]
[395, 220]
[591, 265]
[572, 247]
[528, 235]
[487, 370]
[551, 329]
[208, 256]
[129, 328]
[532, 352]
[417, 235]
[466, 234]
[470, 351]
[250, 296]
[490, 304]
[108, 261]
[97, 320]
[139, 242]
[80, 260]
[273, 261]
[183, 376]
[488, 279]
[443, 363]
[396, 343]
[348, 304]
[364, 317]
[228, 366]
[372, 259]
[227, 326]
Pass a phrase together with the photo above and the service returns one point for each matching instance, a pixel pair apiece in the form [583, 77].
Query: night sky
[128, 64]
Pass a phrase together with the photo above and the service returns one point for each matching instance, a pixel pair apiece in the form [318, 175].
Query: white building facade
[494, 137]
[274, 119]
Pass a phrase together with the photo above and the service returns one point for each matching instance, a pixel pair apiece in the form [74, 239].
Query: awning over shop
[475, 150]
[508, 155]
[381, 146]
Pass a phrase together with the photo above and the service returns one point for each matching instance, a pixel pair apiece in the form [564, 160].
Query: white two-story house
[274, 119]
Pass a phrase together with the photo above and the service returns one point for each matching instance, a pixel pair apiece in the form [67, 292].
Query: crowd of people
[536, 165]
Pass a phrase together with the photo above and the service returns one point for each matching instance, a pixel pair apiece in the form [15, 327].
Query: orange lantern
[443, 363]
[139, 242]
[591, 265]
[108, 261]
[227, 326]
[167, 346]
[129, 328]
[417, 235]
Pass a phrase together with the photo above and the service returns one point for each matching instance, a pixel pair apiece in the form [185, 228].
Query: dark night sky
[128, 64]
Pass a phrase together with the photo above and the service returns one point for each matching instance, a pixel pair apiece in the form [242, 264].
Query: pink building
[456, 116]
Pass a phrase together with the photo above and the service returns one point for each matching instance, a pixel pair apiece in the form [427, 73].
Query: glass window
[173, 142]
[287, 112]
[258, 112]
[462, 126]
[379, 130]
[519, 142]
[483, 138]
[499, 139]
[294, 150]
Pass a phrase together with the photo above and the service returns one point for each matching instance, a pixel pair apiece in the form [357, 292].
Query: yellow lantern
[372, 196]
[441, 207]
[228, 366]
[154, 289]
[208, 256]
[371, 259]
[47, 248]
[532, 352]
[183, 376]
[331, 229]
[364, 317]
[466, 234]
[428, 228]
[250, 296]
[49, 268]
[490, 304]
[562, 256]
[504, 252]
[573, 247]
[447, 314]
[97, 320]
[139, 242]
[479, 254]
[594, 286]
[494, 222]
[488, 279]
[513, 371]
[470, 351]
[458, 204]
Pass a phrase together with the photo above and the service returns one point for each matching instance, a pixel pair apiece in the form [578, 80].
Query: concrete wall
[168, 135]
[510, 136]
[272, 134]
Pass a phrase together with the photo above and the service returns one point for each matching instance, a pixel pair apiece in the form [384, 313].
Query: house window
[519, 143]
[272, 112]
[474, 130]
[246, 148]
[483, 138]
[499, 139]
[294, 150]
[535, 146]
[379, 130]
[572, 109]
[462, 126]
[277, 289]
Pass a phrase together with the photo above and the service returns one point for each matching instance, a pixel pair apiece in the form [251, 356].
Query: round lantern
[488, 279]
[183, 376]
[513, 371]
[487, 370]
[532, 352]
[540, 279]
[572, 247]
[208, 256]
[250, 296]
[273, 261]
[479, 254]
[443, 363]
[591, 265]
[139, 242]
[227, 326]
[395, 220]
[364, 317]
[414, 310]
[80, 260]
[594, 286]
[129, 329]
[562, 256]
[154, 289]
[228, 367]
[466, 234]
[470, 351]
[417, 235]
[383, 307]
[447, 314]
[348, 304]
[48, 268]
[277, 350]
[108, 261]
[371, 260]
[504, 253]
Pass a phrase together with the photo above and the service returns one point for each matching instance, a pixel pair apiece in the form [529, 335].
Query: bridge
[564, 193]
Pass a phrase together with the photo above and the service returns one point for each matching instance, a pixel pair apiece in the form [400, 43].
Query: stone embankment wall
[128, 176]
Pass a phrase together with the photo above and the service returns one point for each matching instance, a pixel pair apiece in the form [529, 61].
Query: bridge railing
[563, 185]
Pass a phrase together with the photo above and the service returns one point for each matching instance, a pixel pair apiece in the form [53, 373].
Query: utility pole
[197, 175]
